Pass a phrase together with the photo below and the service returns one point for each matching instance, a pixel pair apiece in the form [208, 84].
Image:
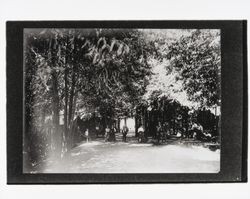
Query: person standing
[97, 131]
[141, 134]
[124, 133]
[87, 135]
[113, 132]
[107, 133]
[159, 132]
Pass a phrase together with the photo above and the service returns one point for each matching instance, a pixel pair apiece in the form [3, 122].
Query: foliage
[112, 72]
[70, 71]
[197, 60]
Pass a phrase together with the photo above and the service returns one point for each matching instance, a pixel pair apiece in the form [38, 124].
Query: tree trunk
[118, 125]
[55, 108]
[71, 97]
[137, 117]
[66, 108]
[74, 105]
[66, 73]
[55, 97]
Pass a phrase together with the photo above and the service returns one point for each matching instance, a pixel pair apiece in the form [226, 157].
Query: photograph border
[233, 111]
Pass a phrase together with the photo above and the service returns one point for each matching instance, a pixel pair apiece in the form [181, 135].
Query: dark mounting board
[234, 104]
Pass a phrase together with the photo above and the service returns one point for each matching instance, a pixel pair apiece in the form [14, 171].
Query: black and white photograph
[124, 99]
[121, 100]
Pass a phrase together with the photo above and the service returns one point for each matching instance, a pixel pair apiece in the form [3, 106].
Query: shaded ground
[132, 157]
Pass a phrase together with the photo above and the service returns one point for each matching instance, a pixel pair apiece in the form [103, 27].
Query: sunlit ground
[132, 157]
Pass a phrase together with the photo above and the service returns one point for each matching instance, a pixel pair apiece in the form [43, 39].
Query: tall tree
[70, 69]
[197, 60]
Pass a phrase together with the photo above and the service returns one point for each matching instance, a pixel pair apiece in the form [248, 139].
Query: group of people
[161, 135]
[109, 133]
[195, 130]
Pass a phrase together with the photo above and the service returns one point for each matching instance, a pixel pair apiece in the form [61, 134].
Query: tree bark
[136, 123]
[74, 105]
[66, 106]
[55, 97]
[66, 73]
[72, 93]
[55, 107]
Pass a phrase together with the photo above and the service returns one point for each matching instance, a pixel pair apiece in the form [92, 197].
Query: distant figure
[196, 131]
[166, 130]
[107, 133]
[114, 130]
[87, 135]
[141, 134]
[97, 131]
[140, 129]
[124, 133]
[159, 133]
[112, 134]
